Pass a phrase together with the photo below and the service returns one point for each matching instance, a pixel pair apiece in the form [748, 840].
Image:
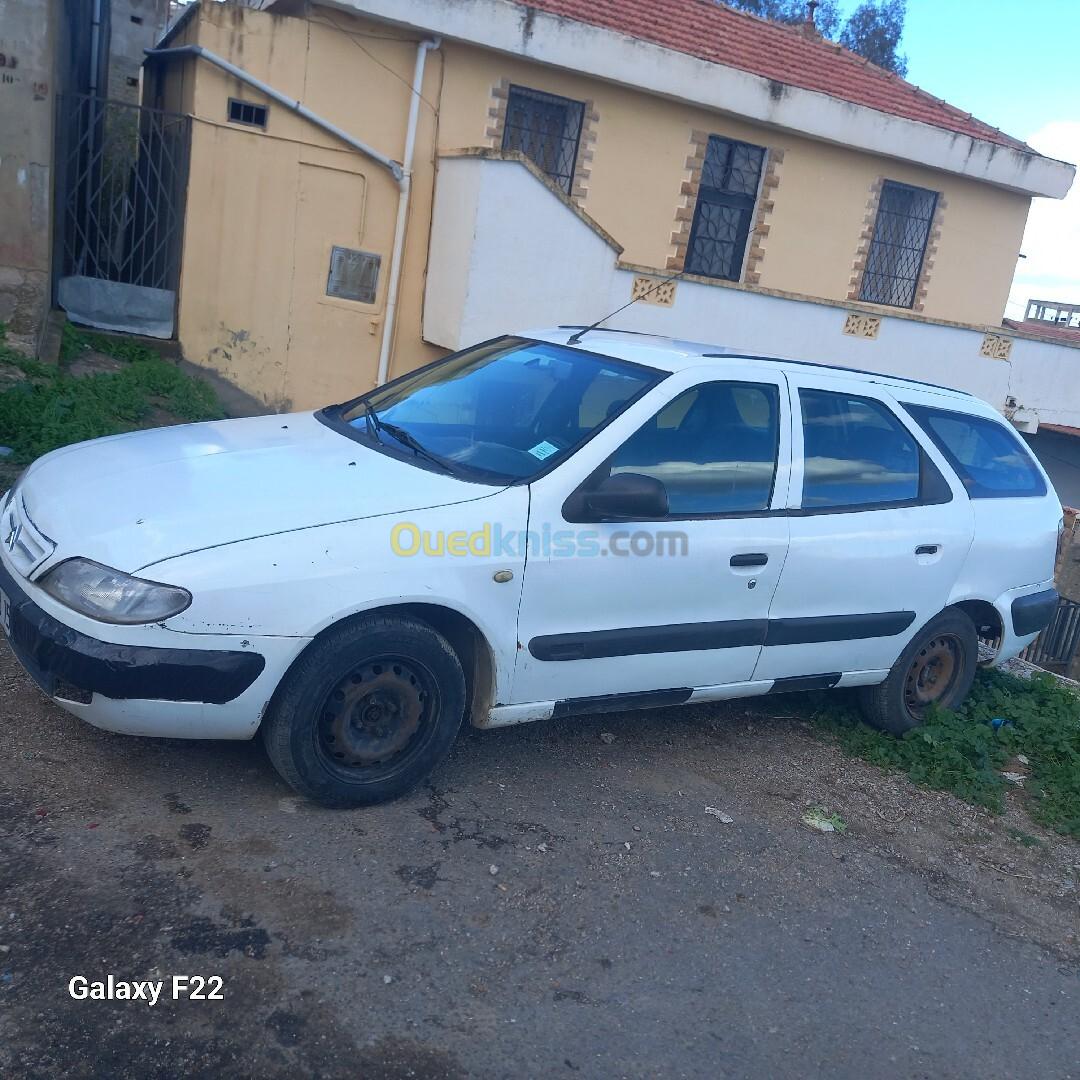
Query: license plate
[5, 613]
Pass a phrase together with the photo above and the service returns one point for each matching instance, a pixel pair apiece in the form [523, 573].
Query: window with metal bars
[727, 194]
[547, 130]
[898, 248]
[247, 112]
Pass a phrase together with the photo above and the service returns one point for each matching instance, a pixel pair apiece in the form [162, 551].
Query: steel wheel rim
[377, 717]
[932, 673]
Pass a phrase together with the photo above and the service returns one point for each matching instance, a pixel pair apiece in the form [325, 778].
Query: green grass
[961, 752]
[51, 408]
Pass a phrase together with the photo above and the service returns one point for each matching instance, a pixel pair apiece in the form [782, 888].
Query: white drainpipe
[397, 253]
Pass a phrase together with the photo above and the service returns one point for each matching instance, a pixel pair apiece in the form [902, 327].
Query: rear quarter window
[989, 457]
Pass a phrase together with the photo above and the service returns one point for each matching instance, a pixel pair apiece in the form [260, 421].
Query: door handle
[927, 549]
[750, 558]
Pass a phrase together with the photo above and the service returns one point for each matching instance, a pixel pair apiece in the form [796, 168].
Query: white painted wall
[505, 248]
[507, 254]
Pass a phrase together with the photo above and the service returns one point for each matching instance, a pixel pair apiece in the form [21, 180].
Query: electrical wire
[352, 36]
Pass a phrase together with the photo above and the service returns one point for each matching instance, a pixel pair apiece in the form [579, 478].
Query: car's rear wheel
[367, 712]
[936, 669]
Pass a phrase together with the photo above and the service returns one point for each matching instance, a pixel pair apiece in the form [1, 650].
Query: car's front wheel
[937, 668]
[367, 712]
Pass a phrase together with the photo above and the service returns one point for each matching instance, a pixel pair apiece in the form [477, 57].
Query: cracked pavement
[550, 904]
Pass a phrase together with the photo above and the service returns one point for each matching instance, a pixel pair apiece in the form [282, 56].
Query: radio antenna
[611, 314]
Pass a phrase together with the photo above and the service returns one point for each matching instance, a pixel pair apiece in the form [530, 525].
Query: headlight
[111, 595]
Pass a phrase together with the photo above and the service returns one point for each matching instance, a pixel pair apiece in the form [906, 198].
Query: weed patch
[964, 752]
[52, 408]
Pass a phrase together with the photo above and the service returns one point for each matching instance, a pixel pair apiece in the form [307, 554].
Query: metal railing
[121, 186]
[1056, 646]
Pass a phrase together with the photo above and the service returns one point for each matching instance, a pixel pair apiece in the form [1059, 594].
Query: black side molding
[838, 627]
[805, 682]
[1033, 613]
[640, 640]
[688, 637]
[608, 703]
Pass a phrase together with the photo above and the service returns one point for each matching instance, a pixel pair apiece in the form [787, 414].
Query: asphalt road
[552, 904]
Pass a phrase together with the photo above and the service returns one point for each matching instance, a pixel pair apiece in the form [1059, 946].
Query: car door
[617, 607]
[879, 534]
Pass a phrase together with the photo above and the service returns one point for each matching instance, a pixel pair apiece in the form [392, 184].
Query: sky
[1016, 65]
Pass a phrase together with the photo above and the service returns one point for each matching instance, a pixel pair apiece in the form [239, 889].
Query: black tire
[937, 667]
[367, 712]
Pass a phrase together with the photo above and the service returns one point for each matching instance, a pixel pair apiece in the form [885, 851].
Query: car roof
[674, 354]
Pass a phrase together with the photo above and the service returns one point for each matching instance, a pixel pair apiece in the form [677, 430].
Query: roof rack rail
[842, 370]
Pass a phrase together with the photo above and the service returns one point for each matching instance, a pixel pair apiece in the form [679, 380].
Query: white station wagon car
[561, 522]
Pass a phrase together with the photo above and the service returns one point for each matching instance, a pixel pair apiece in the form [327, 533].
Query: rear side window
[855, 453]
[989, 457]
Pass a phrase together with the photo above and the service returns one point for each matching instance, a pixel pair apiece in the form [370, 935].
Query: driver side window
[714, 447]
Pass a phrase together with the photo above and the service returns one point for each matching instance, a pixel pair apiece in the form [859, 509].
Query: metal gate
[120, 197]
[1055, 647]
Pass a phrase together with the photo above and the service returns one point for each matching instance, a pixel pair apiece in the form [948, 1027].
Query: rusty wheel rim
[932, 674]
[377, 714]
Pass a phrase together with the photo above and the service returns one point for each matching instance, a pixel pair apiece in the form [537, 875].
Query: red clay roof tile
[1051, 331]
[712, 31]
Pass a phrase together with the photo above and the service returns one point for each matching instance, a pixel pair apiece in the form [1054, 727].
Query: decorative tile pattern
[860, 325]
[996, 347]
[858, 269]
[651, 290]
[496, 132]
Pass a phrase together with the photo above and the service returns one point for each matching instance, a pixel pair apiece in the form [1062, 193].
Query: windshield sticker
[543, 450]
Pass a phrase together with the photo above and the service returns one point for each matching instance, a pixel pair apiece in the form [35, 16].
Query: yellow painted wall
[265, 207]
[639, 163]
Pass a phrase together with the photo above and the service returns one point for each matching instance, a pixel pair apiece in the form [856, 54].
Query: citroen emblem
[12, 537]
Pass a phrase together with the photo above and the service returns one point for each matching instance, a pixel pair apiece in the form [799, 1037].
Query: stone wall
[28, 34]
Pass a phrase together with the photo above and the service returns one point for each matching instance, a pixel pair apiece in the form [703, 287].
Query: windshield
[501, 412]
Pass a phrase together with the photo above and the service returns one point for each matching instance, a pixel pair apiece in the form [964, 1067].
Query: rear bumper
[1024, 612]
[1032, 613]
[68, 664]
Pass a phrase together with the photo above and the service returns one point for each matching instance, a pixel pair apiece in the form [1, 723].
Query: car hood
[131, 500]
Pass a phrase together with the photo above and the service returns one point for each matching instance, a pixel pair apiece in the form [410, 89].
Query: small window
[725, 207]
[247, 112]
[354, 275]
[713, 447]
[989, 458]
[901, 230]
[855, 453]
[547, 130]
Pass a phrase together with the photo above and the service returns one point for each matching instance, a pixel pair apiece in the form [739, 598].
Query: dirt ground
[553, 903]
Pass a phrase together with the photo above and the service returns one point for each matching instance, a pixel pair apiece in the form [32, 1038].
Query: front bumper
[71, 665]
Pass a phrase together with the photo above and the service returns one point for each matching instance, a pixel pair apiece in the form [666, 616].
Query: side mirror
[627, 496]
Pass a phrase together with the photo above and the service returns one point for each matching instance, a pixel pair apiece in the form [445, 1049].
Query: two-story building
[374, 182]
